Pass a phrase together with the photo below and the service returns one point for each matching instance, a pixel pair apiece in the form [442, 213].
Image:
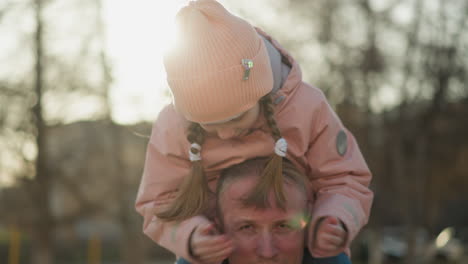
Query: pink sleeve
[164, 169]
[339, 179]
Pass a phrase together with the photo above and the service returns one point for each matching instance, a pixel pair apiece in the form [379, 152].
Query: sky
[136, 34]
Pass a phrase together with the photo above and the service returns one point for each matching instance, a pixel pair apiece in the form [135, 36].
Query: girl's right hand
[208, 246]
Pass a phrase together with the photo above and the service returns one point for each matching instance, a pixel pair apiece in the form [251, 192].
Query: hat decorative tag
[248, 65]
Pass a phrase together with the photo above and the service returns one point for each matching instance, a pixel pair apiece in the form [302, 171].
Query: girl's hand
[208, 246]
[330, 235]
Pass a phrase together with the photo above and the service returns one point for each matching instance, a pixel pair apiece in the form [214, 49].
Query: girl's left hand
[330, 235]
[208, 246]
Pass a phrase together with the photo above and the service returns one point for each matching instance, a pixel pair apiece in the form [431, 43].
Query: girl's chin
[244, 133]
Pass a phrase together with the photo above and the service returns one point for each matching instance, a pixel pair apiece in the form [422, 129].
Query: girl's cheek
[207, 129]
[248, 124]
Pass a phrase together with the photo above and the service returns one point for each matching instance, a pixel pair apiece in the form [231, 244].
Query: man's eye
[245, 227]
[284, 227]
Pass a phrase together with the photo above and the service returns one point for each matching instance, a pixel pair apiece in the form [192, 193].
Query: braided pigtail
[193, 193]
[272, 175]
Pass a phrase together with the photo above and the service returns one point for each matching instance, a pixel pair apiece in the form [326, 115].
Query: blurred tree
[91, 169]
[42, 232]
[61, 73]
[107, 159]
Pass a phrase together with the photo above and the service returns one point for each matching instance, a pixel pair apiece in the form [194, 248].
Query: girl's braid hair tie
[281, 147]
[194, 152]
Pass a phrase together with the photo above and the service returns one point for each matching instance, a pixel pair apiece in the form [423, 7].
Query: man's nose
[226, 132]
[266, 247]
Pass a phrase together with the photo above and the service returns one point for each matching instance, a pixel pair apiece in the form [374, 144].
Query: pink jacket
[339, 183]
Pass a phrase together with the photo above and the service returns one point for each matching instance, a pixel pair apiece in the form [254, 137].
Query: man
[263, 232]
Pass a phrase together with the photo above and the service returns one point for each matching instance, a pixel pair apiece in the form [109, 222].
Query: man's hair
[254, 168]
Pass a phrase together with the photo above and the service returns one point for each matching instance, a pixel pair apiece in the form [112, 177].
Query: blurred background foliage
[395, 71]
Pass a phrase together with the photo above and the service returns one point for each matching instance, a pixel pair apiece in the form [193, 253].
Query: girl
[238, 95]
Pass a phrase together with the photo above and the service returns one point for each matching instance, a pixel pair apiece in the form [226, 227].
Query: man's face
[270, 235]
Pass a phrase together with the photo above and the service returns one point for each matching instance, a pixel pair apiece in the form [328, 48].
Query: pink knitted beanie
[219, 67]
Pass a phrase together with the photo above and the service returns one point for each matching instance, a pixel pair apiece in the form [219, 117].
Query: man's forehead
[235, 194]
[242, 187]
[265, 215]
[271, 217]
[238, 189]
